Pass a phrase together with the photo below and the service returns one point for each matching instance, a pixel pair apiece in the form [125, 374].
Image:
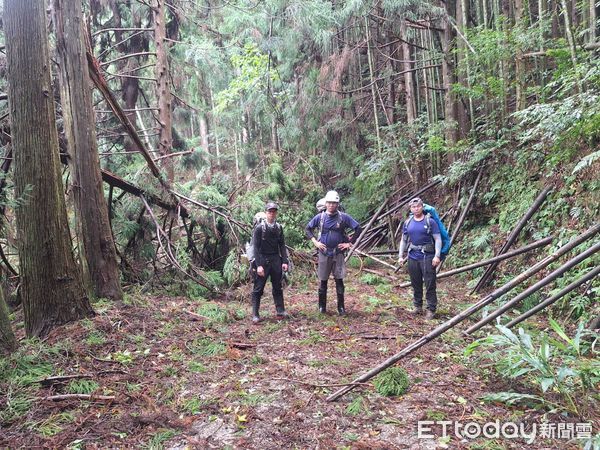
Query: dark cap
[415, 201]
[271, 205]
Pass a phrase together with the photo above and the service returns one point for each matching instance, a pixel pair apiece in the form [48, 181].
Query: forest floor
[190, 373]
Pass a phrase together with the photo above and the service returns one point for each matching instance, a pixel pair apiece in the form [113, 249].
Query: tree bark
[52, 287]
[163, 93]
[409, 88]
[450, 106]
[79, 125]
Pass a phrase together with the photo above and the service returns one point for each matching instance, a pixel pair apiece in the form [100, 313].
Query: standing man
[332, 242]
[270, 260]
[421, 235]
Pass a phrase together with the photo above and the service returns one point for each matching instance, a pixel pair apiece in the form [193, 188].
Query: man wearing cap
[270, 260]
[424, 242]
[331, 243]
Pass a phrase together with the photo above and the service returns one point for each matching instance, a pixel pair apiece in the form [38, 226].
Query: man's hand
[401, 261]
[260, 271]
[344, 245]
[319, 244]
[436, 261]
[284, 267]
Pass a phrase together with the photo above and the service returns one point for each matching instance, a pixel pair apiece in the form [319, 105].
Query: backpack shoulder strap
[321, 222]
[263, 229]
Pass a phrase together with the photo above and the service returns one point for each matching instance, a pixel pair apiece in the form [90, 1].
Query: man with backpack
[270, 260]
[331, 243]
[421, 236]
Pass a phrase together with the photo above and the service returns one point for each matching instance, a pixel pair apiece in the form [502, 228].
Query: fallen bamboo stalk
[374, 258]
[90, 397]
[485, 278]
[401, 203]
[550, 300]
[536, 287]
[512, 253]
[463, 214]
[469, 311]
[365, 229]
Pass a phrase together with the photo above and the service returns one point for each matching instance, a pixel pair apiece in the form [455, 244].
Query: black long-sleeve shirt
[269, 242]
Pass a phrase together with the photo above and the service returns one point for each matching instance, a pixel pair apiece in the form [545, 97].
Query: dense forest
[141, 137]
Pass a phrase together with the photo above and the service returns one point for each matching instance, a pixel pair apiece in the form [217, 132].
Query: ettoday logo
[506, 430]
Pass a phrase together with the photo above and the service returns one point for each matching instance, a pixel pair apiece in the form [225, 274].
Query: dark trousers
[422, 272]
[274, 272]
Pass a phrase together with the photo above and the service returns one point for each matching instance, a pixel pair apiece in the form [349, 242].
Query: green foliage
[568, 367]
[356, 407]
[158, 439]
[207, 347]
[234, 270]
[19, 374]
[392, 382]
[369, 278]
[214, 312]
[82, 386]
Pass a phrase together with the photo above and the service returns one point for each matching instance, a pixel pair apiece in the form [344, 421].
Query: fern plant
[392, 382]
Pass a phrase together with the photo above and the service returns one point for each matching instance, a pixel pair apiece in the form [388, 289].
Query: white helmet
[332, 196]
[321, 205]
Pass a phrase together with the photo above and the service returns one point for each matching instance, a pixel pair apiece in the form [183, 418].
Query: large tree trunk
[163, 93]
[8, 343]
[79, 125]
[52, 288]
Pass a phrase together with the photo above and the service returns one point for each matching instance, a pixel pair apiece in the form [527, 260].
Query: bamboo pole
[513, 236]
[374, 258]
[469, 311]
[512, 253]
[464, 212]
[401, 203]
[364, 231]
[550, 300]
[534, 288]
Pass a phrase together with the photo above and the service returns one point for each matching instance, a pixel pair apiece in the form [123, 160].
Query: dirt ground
[182, 373]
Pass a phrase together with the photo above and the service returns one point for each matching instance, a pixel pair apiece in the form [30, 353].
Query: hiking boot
[417, 312]
[282, 315]
[430, 315]
[340, 305]
[322, 303]
[255, 319]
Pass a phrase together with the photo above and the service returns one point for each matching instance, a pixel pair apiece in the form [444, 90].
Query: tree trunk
[79, 126]
[163, 93]
[409, 87]
[571, 40]
[52, 288]
[8, 342]
[462, 74]
[450, 106]
[130, 87]
[592, 21]
[519, 64]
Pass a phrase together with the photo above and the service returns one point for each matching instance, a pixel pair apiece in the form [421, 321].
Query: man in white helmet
[331, 242]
